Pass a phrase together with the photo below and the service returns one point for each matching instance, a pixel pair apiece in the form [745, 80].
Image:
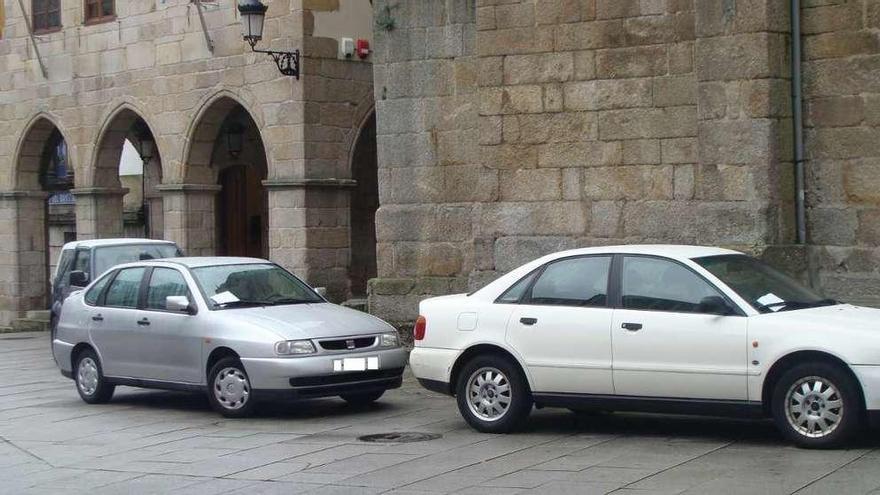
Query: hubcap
[87, 376]
[231, 388]
[489, 394]
[814, 407]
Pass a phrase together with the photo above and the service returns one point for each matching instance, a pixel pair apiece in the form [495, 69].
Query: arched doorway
[46, 214]
[364, 203]
[227, 151]
[128, 157]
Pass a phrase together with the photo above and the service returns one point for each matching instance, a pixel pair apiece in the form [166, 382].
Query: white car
[680, 329]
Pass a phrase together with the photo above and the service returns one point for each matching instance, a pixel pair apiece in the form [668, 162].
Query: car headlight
[389, 339]
[294, 347]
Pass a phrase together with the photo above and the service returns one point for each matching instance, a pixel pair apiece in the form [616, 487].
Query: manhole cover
[399, 437]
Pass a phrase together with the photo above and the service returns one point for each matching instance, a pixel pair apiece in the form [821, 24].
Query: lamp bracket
[287, 62]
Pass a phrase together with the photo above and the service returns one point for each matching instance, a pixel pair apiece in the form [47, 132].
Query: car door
[669, 338]
[172, 350]
[562, 325]
[114, 330]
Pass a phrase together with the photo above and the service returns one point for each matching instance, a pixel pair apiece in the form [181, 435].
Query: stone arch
[366, 110]
[363, 204]
[29, 150]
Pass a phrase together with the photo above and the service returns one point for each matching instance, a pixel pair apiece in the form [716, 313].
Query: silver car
[243, 330]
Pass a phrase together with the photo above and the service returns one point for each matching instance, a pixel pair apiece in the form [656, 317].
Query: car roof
[199, 261]
[89, 243]
[675, 251]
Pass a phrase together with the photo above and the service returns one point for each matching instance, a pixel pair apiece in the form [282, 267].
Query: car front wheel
[817, 405]
[89, 378]
[493, 395]
[230, 390]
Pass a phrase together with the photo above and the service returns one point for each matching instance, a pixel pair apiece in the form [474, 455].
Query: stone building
[511, 128]
[247, 161]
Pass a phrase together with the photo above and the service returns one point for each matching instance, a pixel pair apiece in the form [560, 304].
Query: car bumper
[432, 367]
[308, 377]
[61, 352]
[869, 376]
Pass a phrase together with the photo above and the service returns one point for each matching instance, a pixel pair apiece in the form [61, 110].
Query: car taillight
[419, 329]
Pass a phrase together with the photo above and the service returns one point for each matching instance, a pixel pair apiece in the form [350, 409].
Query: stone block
[869, 227]
[607, 94]
[486, 18]
[841, 44]
[736, 141]
[589, 35]
[836, 111]
[744, 56]
[423, 223]
[684, 182]
[843, 142]
[544, 218]
[515, 15]
[681, 57]
[651, 30]
[628, 182]
[583, 154]
[711, 223]
[531, 185]
[553, 128]
[509, 156]
[674, 91]
[584, 65]
[612, 9]
[491, 130]
[632, 62]
[491, 71]
[527, 69]
[847, 76]
[515, 41]
[640, 123]
[872, 110]
[606, 219]
[641, 151]
[522, 99]
[678, 150]
[834, 16]
[512, 252]
[833, 226]
[428, 260]
[565, 11]
[861, 180]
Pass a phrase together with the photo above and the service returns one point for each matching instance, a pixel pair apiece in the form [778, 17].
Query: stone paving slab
[165, 442]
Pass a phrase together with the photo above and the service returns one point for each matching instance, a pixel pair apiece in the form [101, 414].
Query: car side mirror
[79, 278]
[322, 291]
[179, 304]
[715, 305]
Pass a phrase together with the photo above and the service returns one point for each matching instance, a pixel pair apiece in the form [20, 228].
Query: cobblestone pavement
[163, 442]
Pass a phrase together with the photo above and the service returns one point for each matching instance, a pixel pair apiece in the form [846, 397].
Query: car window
[573, 282]
[164, 282]
[95, 291]
[107, 257]
[63, 271]
[661, 285]
[516, 291]
[83, 256]
[123, 291]
[252, 284]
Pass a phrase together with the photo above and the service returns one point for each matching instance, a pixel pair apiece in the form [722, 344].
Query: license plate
[356, 364]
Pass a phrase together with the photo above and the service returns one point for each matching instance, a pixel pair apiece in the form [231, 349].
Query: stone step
[359, 304]
[39, 315]
[27, 325]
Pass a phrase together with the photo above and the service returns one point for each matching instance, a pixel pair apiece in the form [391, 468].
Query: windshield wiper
[241, 304]
[790, 305]
[288, 300]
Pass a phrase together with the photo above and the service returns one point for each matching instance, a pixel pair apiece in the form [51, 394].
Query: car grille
[356, 376]
[347, 344]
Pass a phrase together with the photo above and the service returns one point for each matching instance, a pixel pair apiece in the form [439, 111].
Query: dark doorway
[364, 203]
[242, 212]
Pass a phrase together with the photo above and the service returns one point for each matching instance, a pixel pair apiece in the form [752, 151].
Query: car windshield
[765, 288]
[110, 256]
[257, 284]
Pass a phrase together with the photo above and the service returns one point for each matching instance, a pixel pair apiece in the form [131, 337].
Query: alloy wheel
[231, 388]
[489, 394]
[814, 407]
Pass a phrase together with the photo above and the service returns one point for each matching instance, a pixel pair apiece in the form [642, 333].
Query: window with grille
[46, 15]
[100, 10]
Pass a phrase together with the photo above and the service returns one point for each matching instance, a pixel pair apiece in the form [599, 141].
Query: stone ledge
[100, 191]
[309, 183]
[196, 188]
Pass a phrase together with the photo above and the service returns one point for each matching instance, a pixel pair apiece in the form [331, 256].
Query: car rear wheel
[230, 390]
[362, 399]
[817, 405]
[89, 378]
[493, 395]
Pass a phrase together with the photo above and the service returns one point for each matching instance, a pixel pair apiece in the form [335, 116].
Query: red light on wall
[363, 48]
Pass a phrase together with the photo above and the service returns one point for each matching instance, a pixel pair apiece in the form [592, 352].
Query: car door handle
[97, 318]
[144, 322]
[632, 327]
[528, 321]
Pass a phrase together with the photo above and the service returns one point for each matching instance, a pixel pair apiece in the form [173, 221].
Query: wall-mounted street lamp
[235, 139]
[253, 16]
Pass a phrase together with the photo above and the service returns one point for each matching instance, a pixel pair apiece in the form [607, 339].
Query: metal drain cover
[400, 437]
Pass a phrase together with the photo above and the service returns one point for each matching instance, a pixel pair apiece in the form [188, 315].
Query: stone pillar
[22, 253]
[99, 212]
[744, 172]
[309, 230]
[190, 220]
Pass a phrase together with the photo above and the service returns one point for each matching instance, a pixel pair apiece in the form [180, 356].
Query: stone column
[309, 230]
[744, 171]
[23, 264]
[190, 220]
[99, 212]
